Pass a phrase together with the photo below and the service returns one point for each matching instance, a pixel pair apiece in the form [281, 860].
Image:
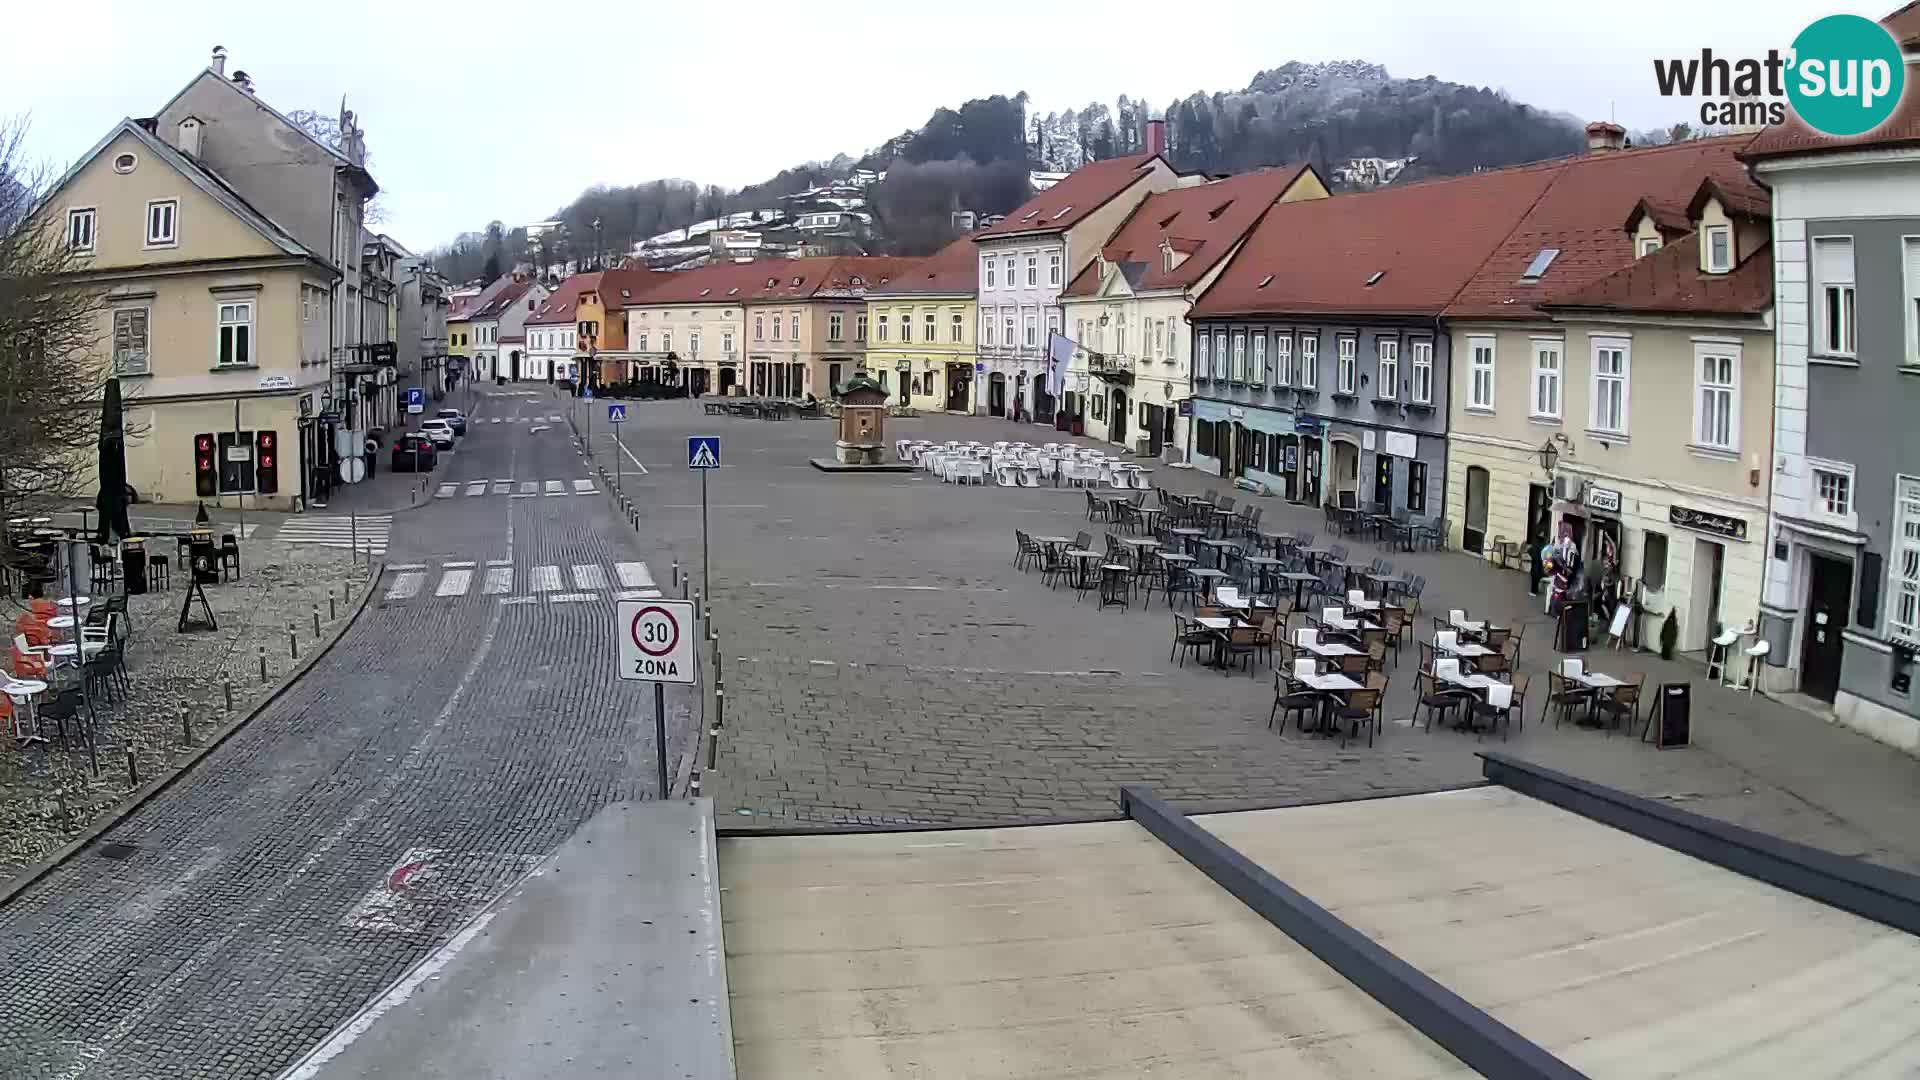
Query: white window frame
[90, 216]
[1910, 278]
[1202, 357]
[1649, 244]
[1238, 372]
[1309, 364]
[1053, 327]
[1387, 369]
[1347, 364]
[1006, 327]
[1482, 347]
[1816, 503]
[1828, 339]
[836, 326]
[1903, 562]
[986, 329]
[992, 276]
[666, 341]
[222, 324]
[860, 326]
[1053, 268]
[1283, 359]
[640, 343]
[1713, 233]
[1257, 374]
[1547, 381]
[759, 327]
[1601, 380]
[172, 220]
[1032, 330]
[1221, 357]
[1421, 390]
[906, 326]
[122, 360]
[957, 328]
[693, 343]
[1033, 268]
[726, 342]
[1702, 350]
[796, 327]
[930, 324]
[882, 327]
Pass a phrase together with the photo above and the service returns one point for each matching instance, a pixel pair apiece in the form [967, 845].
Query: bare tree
[51, 372]
[327, 129]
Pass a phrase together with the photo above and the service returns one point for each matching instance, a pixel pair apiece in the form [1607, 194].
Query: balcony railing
[1110, 364]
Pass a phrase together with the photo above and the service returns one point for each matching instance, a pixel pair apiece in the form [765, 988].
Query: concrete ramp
[606, 961]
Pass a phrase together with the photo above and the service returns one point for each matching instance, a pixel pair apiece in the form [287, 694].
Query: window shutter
[1833, 261]
[1867, 615]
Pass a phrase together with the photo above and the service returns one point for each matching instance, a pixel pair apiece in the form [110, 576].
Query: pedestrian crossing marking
[555, 487]
[572, 598]
[502, 487]
[584, 487]
[499, 562]
[521, 600]
[640, 594]
[476, 487]
[495, 420]
[369, 534]
[633, 575]
[406, 585]
[454, 583]
[589, 576]
[408, 566]
[445, 491]
[546, 579]
[458, 565]
[499, 580]
[553, 419]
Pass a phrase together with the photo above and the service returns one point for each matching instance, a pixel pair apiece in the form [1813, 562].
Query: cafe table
[1208, 577]
[1469, 625]
[1331, 648]
[1220, 628]
[1216, 545]
[1263, 575]
[1187, 534]
[23, 692]
[1363, 605]
[1082, 560]
[1332, 683]
[67, 652]
[1300, 581]
[1378, 581]
[74, 601]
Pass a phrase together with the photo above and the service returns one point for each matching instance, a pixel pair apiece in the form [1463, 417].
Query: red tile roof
[1668, 218]
[1670, 282]
[1904, 25]
[1063, 205]
[714, 283]
[1204, 222]
[561, 307]
[823, 278]
[501, 301]
[624, 287]
[1425, 239]
[1580, 215]
[953, 269]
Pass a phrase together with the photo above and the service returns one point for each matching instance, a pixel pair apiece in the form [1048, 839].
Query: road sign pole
[706, 559]
[619, 447]
[660, 733]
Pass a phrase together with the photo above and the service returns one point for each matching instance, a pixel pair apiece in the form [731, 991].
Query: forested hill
[1352, 120]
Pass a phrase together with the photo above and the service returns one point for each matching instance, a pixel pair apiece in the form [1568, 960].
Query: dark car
[455, 419]
[413, 453]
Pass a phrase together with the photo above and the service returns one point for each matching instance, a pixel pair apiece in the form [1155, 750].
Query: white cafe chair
[1306, 637]
[1356, 597]
[1118, 479]
[1029, 476]
[1456, 616]
[1446, 670]
[1572, 668]
[1305, 669]
[1332, 615]
[1005, 476]
[1447, 640]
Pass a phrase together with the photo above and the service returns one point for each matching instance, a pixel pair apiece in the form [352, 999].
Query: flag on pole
[1059, 355]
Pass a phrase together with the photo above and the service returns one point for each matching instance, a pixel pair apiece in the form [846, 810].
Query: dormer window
[1719, 248]
[1538, 267]
[771, 282]
[796, 282]
[1649, 245]
[1214, 214]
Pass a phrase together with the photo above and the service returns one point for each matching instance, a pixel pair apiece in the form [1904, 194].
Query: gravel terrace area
[48, 792]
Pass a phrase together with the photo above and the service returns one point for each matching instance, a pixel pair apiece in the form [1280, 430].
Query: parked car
[413, 453]
[439, 431]
[455, 419]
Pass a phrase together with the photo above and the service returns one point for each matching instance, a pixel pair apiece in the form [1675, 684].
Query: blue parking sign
[616, 412]
[416, 399]
[587, 392]
[703, 451]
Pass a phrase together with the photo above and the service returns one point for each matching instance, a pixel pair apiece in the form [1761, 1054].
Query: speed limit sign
[656, 641]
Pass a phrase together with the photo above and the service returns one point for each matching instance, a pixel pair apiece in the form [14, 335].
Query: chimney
[1604, 136]
[1156, 136]
[189, 138]
[243, 80]
[220, 60]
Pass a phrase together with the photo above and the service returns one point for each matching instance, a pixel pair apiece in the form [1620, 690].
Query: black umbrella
[112, 499]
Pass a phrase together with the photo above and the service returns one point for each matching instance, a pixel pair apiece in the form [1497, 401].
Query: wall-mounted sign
[276, 382]
[1400, 443]
[1687, 517]
[1186, 406]
[1235, 412]
[1306, 425]
[1367, 440]
[1606, 499]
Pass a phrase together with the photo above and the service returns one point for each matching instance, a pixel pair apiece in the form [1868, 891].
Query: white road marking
[476, 487]
[456, 565]
[553, 419]
[454, 583]
[408, 566]
[520, 600]
[589, 576]
[630, 457]
[445, 491]
[536, 428]
[406, 585]
[499, 580]
[584, 487]
[499, 562]
[502, 487]
[528, 487]
[634, 575]
[640, 594]
[495, 420]
[716, 506]
[572, 597]
[546, 579]
[555, 487]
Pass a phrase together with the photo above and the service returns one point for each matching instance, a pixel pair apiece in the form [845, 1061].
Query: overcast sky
[480, 110]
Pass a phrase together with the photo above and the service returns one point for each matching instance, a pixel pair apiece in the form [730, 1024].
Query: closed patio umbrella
[112, 498]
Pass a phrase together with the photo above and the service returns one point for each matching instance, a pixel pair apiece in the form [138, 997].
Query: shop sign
[1306, 425]
[1604, 499]
[1186, 406]
[1235, 412]
[1687, 517]
[1401, 444]
[1367, 440]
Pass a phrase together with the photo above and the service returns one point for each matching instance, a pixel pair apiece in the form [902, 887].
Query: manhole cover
[118, 852]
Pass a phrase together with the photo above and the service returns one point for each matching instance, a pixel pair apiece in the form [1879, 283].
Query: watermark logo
[1843, 76]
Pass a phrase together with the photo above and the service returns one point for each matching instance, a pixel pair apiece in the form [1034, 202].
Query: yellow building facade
[920, 330]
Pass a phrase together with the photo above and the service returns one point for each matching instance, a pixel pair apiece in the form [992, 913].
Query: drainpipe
[1446, 430]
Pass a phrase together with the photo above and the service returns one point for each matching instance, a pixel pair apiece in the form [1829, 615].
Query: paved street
[449, 741]
[886, 663]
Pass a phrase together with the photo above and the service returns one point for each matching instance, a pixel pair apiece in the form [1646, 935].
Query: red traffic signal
[266, 473]
[205, 481]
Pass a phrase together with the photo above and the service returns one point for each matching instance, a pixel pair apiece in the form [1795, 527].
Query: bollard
[293, 643]
[696, 605]
[713, 746]
[133, 768]
[676, 572]
[226, 683]
[332, 611]
[718, 682]
[263, 665]
[316, 622]
[186, 726]
[694, 790]
[719, 708]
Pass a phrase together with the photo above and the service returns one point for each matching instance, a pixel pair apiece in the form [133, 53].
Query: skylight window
[1064, 211]
[1266, 281]
[1030, 215]
[1538, 267]
[735, 291]
[1374, 278]
[704, 292]
[856, 280]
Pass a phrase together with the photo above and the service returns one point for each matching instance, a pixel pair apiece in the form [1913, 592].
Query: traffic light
[205, 479]
[266, 471]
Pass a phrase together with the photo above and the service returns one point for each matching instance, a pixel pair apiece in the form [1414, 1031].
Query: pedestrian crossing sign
[616, 413]
[703, 451]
